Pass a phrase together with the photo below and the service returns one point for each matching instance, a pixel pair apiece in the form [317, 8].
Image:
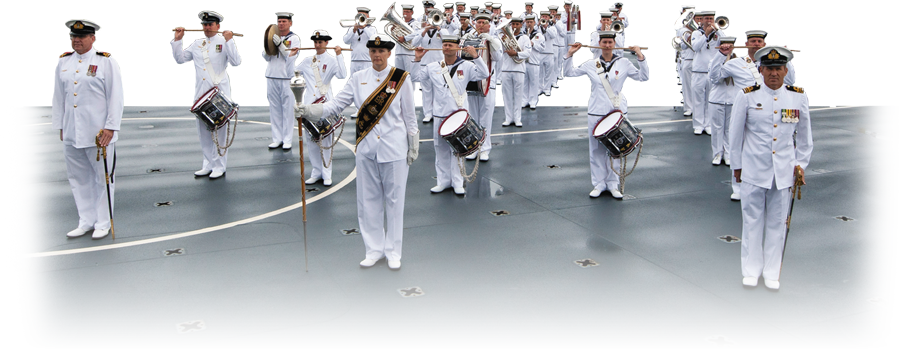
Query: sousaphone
[269, 45]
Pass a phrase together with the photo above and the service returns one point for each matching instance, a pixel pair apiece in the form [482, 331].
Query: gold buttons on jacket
[776, 125]
[79, 61]
[76, 71]
[776, 98]
[76, 93]
[773, 152]
[379, 137]
[776, 112]
[76, 106]
[775, 139]
[76, 83]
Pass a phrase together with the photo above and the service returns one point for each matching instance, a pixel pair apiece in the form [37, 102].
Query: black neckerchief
[455, 66]
[608, 65]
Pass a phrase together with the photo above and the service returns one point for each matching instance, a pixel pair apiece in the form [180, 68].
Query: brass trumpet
[358, 20]
[435, 18]
[721, 23]
[617, 26]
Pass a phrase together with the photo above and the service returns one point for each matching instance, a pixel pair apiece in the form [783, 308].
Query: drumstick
[200, 30]
[327, 48]
[614, 48]
[717, 47]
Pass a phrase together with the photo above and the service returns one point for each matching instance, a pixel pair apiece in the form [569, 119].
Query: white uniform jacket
[398, 49]
[762, 145]
[387, 141]
[561, 31]
[686, 53]
[599, 103]
[329, 67]
[720, 92]
[551, 37]
[705, 49]
[220, 53]
[431, 74]
[508, 65]
[357, 40]
[87, 97]
[281, 66]
[741, 69]
[538, 44]
[432, 39]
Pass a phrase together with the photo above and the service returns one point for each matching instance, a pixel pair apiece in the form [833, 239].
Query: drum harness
[216, 79]
[323, 88]
[460, 100]
[616, 99]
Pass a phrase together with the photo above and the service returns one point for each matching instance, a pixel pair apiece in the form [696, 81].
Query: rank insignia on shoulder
[104, 54]
[794, 88]
[66, 54]
[751, 88]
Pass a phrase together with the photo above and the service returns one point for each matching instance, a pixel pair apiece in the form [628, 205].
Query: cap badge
[78, 25]
[377, 41]
[317, 35]
[774, 55]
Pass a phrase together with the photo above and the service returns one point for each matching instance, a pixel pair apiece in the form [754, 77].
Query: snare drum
[325, 126]
[617, 134]
[462, 133]
[214, 109]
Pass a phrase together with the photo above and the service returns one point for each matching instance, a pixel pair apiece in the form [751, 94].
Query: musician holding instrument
[744, 71]
[405, 56]
[387, 142]
[357, 37]
[481, 105]
[606, 20]
[451, 22]
[548, 54]
[516, 49]
[721, 98]
[607, 74]
[529, 6]
[533, 64]
[279, 71]
[430, 37]
[318, 71]
[767, 161]
[704, 40]
[464, 26]
[211, 56]
[561, 48]
[686, 59]
[447, 79]
[87, 99]
[618, 15]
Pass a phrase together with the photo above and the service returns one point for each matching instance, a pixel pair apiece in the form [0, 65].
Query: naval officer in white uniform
[211, 55]
[765, 160]
[387, 143]
[279, 70]
[513, 75]
[721, 97]
[607, 74]
[704, 41]
[318, 71]
[87, 100]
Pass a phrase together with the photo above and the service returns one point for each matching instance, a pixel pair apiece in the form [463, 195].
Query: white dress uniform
[595, 41]
[318, 71]
[403, 56]
[481, 107]
[513, 77]
[764, 150]
[599, 105]
[561, 49]
[279, 71]
[88, 97]
[705, 50]
[211, 56]
[359, 58]
[432, 39]
[721, 97]
[444, 104]
[381, 162]
[686, 73]
[548, 58]
[533, 69]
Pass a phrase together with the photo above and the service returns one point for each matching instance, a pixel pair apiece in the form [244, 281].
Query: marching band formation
[458, 59]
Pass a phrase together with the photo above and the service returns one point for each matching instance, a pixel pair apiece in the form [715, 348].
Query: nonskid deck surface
[524, 257]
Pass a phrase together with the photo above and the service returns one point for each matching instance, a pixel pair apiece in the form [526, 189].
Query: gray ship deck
[224, 261]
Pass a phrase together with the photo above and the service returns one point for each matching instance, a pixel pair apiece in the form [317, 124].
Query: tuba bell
[396, 28]
[360, 20]
[720, 23]
[509, 41]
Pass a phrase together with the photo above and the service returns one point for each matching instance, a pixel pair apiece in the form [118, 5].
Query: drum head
[453, 122]
[608, 123]
[269, 45]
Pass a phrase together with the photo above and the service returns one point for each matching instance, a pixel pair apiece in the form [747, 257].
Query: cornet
[359, 20]
[435, 18]
[720, 23]
[617, 26]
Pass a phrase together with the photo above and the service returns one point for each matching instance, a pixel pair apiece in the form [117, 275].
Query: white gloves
[276, 39]
[413, 152]
[311, 112]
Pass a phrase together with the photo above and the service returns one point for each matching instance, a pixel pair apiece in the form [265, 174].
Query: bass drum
[462, 133]
[617, 134]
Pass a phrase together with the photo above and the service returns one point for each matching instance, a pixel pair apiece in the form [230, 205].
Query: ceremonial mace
[298, 86]
[112, 226]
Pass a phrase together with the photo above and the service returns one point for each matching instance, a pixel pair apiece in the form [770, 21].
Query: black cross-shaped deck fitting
[191, 326]
[411, 292]
[721, 342]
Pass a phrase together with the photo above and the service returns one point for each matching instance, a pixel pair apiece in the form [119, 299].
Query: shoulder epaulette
[751, 88]
[794, 88]
[104, 54]
[66, 54]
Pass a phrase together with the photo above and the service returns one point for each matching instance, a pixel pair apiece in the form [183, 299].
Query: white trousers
[532, 84]
[700, 93]
[481, 109]
[427, 100]
[88, 181]
[316, 154]
[513, 83]
[211, 159]
[547, 77]
[686, 91]
[445, 163]
[380, 193]
[403, 61]
[281, 110]
[720, 118]
[764, 213]
[602, 177]
[558, 70]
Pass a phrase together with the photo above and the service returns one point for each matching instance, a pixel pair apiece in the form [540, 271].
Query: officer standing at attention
[767, 162]
[87, 99]
[279, 70]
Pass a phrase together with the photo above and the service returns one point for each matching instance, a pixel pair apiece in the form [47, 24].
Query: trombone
[359, 20]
